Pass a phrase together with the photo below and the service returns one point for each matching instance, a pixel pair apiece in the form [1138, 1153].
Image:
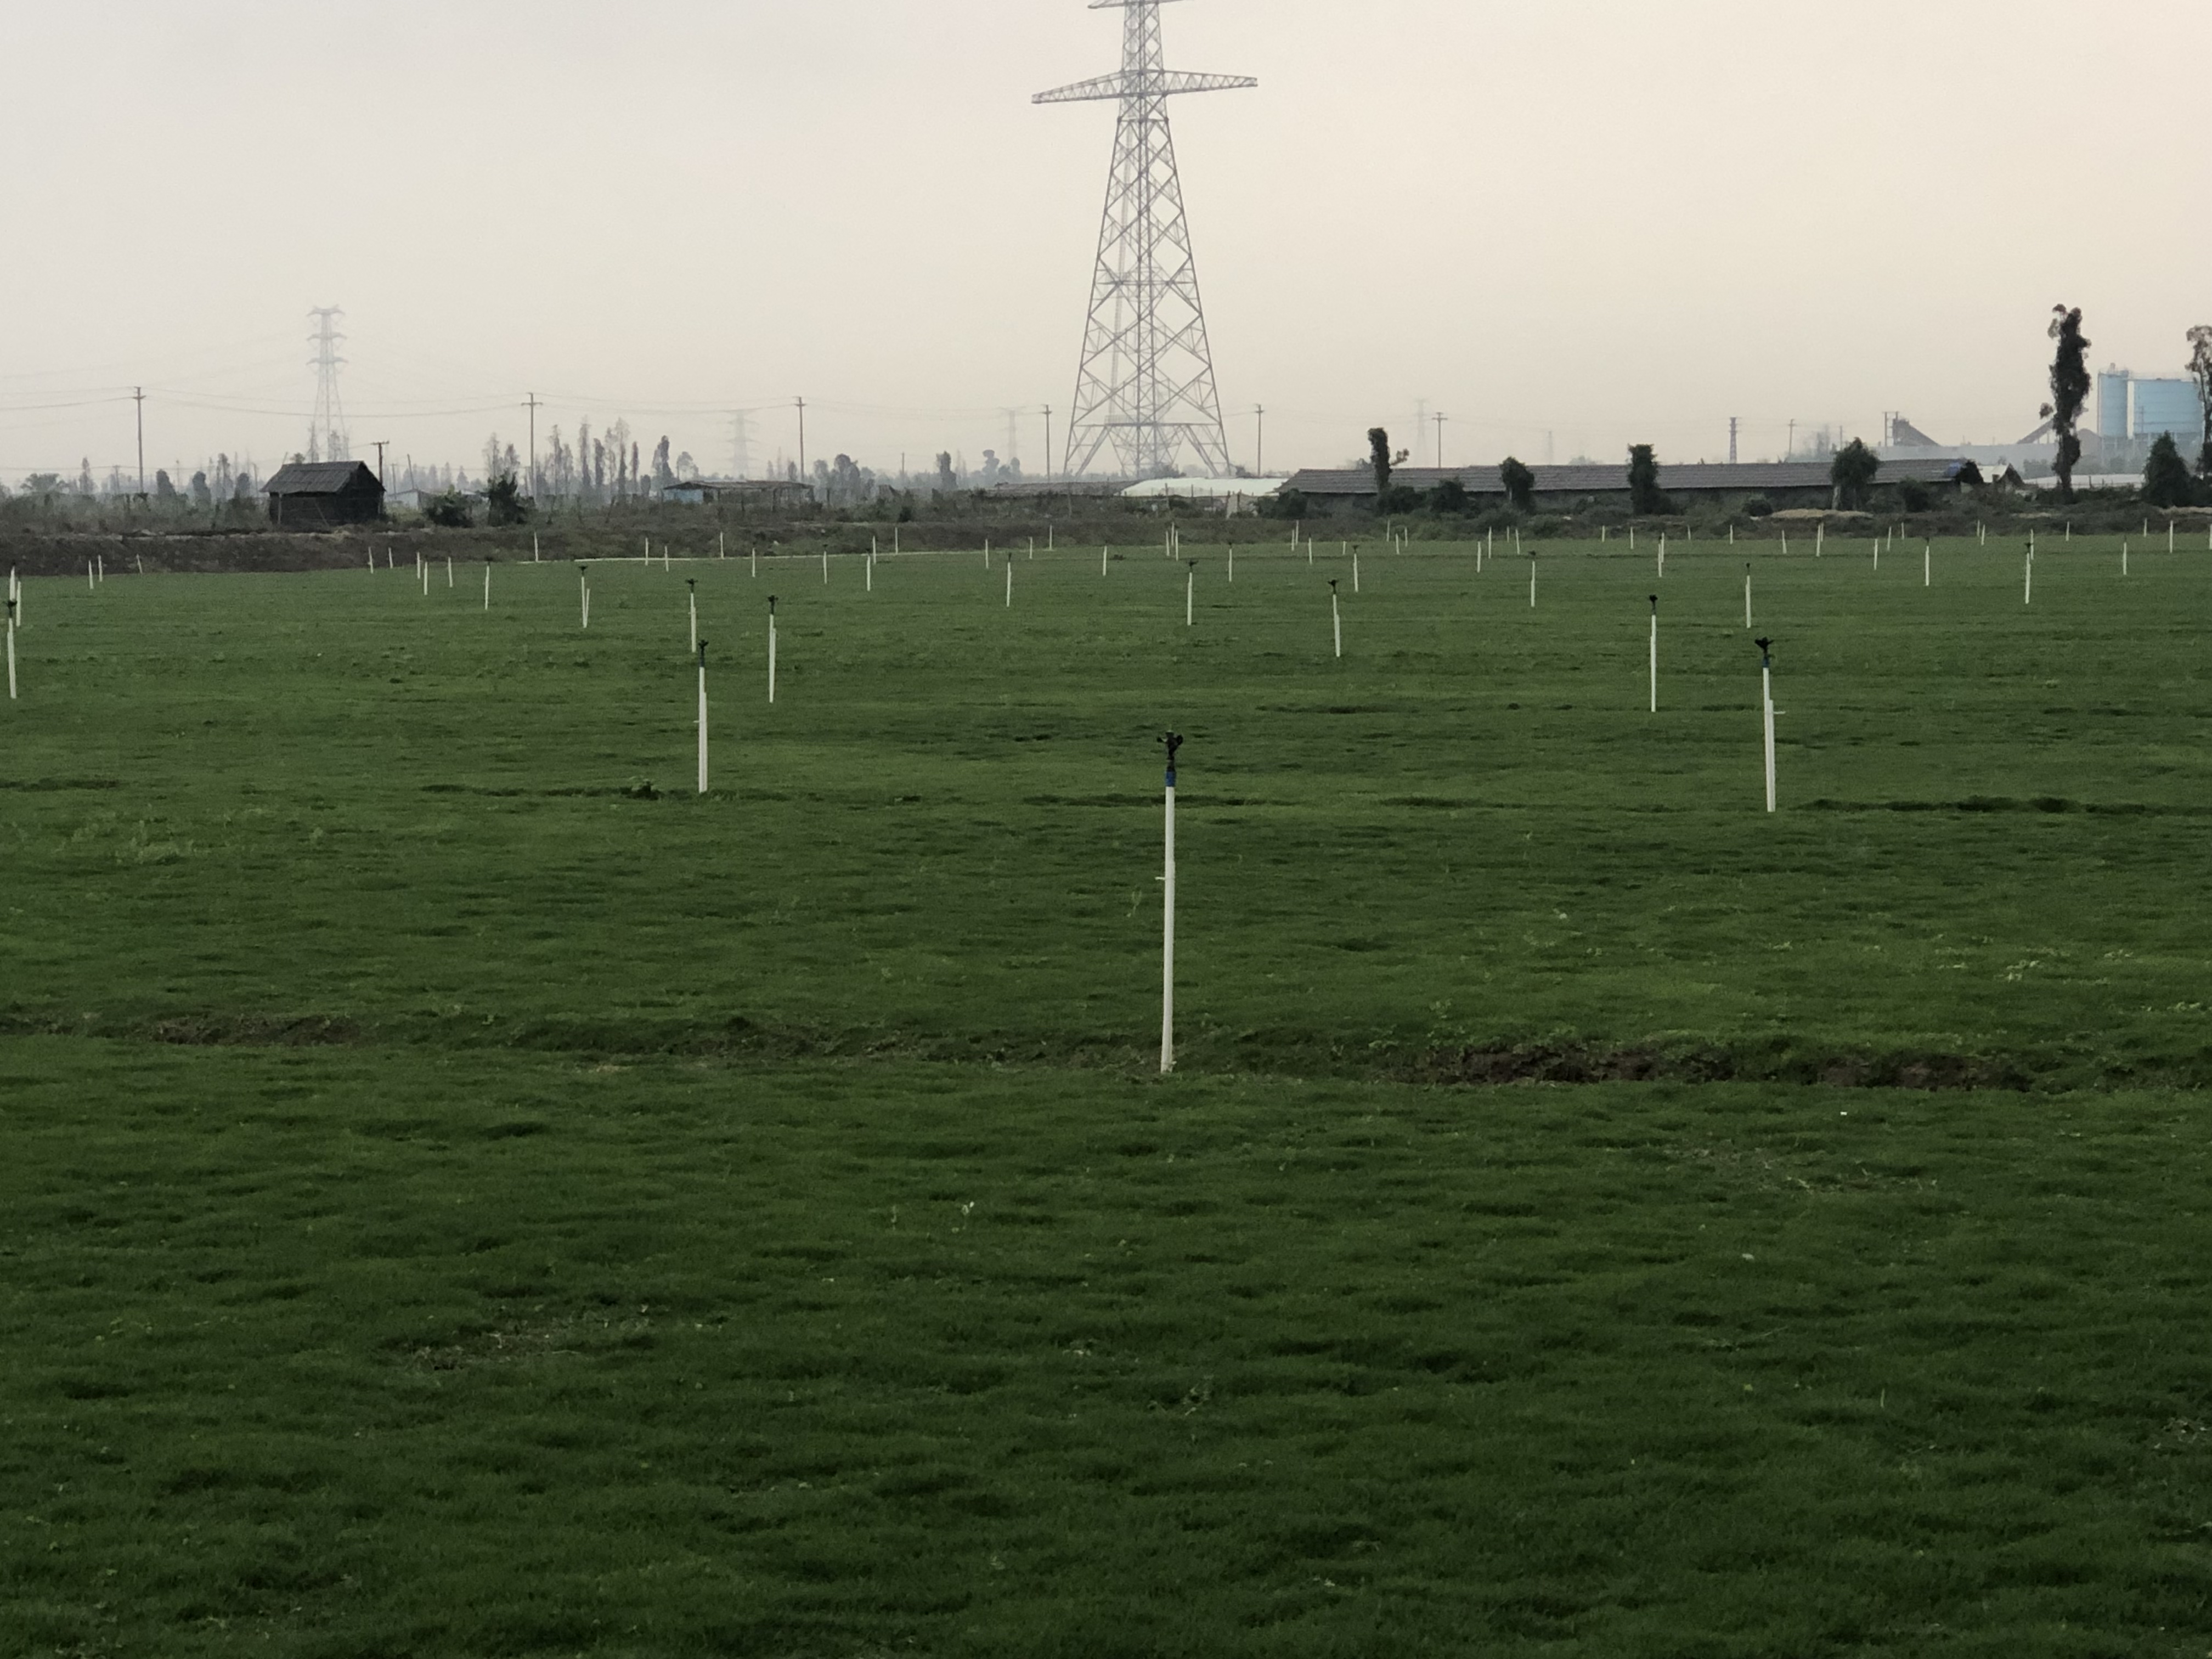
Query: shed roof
[1710, 477]
[320, 478]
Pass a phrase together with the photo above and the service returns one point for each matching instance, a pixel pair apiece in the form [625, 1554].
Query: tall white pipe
[1168, 922]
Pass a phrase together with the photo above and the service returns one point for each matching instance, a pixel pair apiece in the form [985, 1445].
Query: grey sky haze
[1613, 221]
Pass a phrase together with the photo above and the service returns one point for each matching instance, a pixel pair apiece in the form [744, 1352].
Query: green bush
[503, 501]
[2167, 481]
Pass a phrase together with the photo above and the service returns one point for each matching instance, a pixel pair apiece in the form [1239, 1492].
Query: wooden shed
[320, 494]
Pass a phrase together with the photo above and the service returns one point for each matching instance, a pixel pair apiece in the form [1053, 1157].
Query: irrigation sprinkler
[692, 582]
[1766, 701]
[1654, 653]
[1336, 618]
[701, 646]
[1173, 742]
[771, 648]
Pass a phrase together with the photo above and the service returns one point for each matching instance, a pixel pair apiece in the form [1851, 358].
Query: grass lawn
[464, 1193]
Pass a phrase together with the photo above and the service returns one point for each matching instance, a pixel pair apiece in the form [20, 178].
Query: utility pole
[1441, 419]
[1791, 454]
[532, 406]
[380, 445]
[1260, 440]
[139, 396]
[808, 487]
[1732, 429]
[1048, 446]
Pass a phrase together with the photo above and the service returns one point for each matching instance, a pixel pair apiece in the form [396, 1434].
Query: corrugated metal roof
[1698, 477]
[317, 477]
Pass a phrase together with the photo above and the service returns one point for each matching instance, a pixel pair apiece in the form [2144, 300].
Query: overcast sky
[1605, 220]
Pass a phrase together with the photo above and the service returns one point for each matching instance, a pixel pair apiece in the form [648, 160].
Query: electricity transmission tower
[1145, 386]
[326, 432]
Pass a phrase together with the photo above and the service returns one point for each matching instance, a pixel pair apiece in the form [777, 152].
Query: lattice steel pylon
[1145, 386]
[327, 439]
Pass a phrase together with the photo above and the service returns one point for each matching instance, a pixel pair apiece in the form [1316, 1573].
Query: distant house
[1805, 483]
[771, 493]
[321, 494]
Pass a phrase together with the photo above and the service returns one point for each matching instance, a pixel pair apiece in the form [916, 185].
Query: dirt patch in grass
[1567, 1064]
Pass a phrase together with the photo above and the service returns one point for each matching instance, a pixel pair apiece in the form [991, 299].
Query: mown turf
[326, 797]
[463, 1193]
[351, 1354]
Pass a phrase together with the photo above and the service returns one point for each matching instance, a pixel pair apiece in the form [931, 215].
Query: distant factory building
[1785, 484]
[2132, 408]
[323, 495]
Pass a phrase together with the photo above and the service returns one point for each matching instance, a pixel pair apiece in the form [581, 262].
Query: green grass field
[465, 1192]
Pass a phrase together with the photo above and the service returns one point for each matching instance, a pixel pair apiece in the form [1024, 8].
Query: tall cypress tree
[2069, 390]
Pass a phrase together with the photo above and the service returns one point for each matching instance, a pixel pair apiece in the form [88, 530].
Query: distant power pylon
[741, 448]
[1145, 386]
[327, 440]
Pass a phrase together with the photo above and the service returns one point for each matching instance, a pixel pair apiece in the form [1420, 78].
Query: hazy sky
[1608, 220]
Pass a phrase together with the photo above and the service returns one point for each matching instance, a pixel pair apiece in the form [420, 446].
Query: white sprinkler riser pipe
[1167, 944]
[1766, 678]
